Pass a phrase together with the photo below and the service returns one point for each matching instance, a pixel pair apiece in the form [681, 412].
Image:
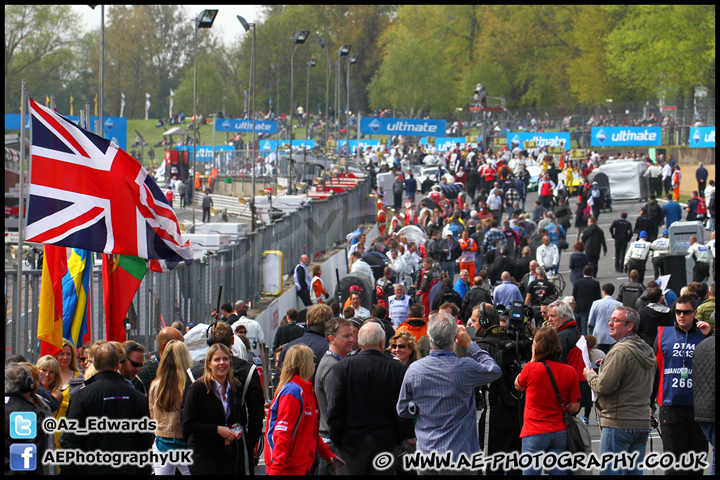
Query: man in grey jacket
[624, 386]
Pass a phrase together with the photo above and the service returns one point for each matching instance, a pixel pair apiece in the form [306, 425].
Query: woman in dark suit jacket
[207, 420]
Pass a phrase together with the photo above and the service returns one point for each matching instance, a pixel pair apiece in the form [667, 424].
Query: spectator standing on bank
[701, 175]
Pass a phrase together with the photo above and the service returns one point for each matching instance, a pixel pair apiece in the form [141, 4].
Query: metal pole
[254, 146]
[347, 119]
[102, 70]
[292, 78]
[194, 127]
[17, 309]
[337, 106]
[307, 116]
[327, 106]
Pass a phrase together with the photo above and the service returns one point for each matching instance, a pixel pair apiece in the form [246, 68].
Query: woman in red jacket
[292, 437]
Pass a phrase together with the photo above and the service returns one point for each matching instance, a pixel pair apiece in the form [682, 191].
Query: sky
[226, 18]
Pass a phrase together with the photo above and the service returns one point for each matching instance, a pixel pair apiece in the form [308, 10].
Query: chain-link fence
[188, 293]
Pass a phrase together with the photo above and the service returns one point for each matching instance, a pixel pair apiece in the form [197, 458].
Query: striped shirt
[439, 391]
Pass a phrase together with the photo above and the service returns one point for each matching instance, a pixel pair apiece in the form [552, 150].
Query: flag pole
[21, 204]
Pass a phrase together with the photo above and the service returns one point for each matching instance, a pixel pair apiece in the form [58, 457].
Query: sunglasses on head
[355, 288]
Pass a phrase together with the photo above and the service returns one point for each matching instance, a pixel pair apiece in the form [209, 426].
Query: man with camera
[503, 423]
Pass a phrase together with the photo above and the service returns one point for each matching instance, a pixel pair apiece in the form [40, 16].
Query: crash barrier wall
[271, 317]
[188, 293]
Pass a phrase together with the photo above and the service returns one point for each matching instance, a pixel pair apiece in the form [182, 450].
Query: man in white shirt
[254, 332]
[397, 264]
[360, 311]
[359, 265]
[494, 203]
[548, 256]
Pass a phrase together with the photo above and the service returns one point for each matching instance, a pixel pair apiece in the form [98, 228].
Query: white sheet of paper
[663, 281]
[582, 345]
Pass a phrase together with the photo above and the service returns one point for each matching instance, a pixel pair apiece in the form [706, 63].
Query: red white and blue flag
[85, 192]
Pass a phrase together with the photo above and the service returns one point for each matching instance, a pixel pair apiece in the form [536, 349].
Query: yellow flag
[96, 105]
[71, 105]
[47, 101]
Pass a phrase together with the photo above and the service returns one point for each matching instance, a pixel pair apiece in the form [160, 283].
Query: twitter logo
[23, 425]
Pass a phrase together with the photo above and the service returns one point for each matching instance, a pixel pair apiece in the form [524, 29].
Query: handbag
[578, 435]
[563, 245]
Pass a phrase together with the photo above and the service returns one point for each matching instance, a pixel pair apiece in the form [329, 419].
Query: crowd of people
[409, 365]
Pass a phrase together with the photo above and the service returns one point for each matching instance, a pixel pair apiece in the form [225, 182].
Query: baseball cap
[665, 232]
[643, 234]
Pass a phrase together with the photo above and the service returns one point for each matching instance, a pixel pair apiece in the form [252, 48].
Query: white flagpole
[21, 204]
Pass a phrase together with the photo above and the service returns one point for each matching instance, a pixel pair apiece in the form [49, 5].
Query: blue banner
[443, 144]
[402, 126]
[553, 139]
[204, 152]
[297, 144]
[115, 127]
[373, 144]
[625, 136]
[234, 125]
[702, 137]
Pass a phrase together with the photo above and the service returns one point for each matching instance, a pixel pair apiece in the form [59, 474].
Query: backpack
[595, 192]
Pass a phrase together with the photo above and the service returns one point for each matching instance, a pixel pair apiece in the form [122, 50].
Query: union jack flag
[85, 192]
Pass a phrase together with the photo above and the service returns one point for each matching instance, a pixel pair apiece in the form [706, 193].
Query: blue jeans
[449, 268]
[709, 431]
[545, 442]
[617, 440]
[584, 322]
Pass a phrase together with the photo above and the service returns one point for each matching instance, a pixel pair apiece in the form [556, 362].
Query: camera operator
[510, 352]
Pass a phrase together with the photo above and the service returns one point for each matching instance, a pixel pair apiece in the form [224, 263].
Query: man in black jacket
[361, 416]
[585, 291]
[252, 411]
[288, 332]
[450, 251]
[476, 295]
[503, 424]
[593, 237]
[654, 315]
[503, 262]
[147, 373]
[646, 223]
[314, 337]
[621, 230]
[107, 394]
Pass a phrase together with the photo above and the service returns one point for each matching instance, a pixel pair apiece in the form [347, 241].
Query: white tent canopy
[177, 131]
[626, 181]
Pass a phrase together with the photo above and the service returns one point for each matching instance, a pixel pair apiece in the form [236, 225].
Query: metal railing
[188, 293]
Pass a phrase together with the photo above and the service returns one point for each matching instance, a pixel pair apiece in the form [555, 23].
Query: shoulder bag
[578, 434]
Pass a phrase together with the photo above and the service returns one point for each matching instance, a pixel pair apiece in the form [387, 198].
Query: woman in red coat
[292, 437]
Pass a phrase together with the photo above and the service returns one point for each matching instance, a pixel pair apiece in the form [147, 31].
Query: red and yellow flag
[50, 316]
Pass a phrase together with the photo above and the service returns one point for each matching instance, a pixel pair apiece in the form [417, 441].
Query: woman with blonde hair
[211, 415]
[165, 397]
[404, 348]
[292, 437]
[50, 376]
[68, 370]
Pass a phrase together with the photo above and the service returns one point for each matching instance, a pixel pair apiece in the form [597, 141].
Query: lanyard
[440, 353]
[330, 352]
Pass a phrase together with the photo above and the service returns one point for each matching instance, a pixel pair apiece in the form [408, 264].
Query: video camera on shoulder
[519, 314]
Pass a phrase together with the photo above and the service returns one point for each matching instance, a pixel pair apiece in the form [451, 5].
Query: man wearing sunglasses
[674, 348]
[134, 361]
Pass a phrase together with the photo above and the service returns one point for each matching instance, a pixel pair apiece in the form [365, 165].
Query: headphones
[131, 347]
[28, 382]
[210, 338]
[484, 319]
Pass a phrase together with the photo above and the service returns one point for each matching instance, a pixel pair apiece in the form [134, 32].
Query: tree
[38, 48]
[672, 44]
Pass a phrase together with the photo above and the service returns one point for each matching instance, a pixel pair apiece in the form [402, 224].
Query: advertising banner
[702, 137]
[296, 144]
[115, 127]
[402, 126]
[625, 136]
[554, 139]
[204, 152]
[443, 144]
[373, 144]
[235, 125]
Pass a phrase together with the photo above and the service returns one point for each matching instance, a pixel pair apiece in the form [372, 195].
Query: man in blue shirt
[507, 292]
[439, 390]
[672, 212]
